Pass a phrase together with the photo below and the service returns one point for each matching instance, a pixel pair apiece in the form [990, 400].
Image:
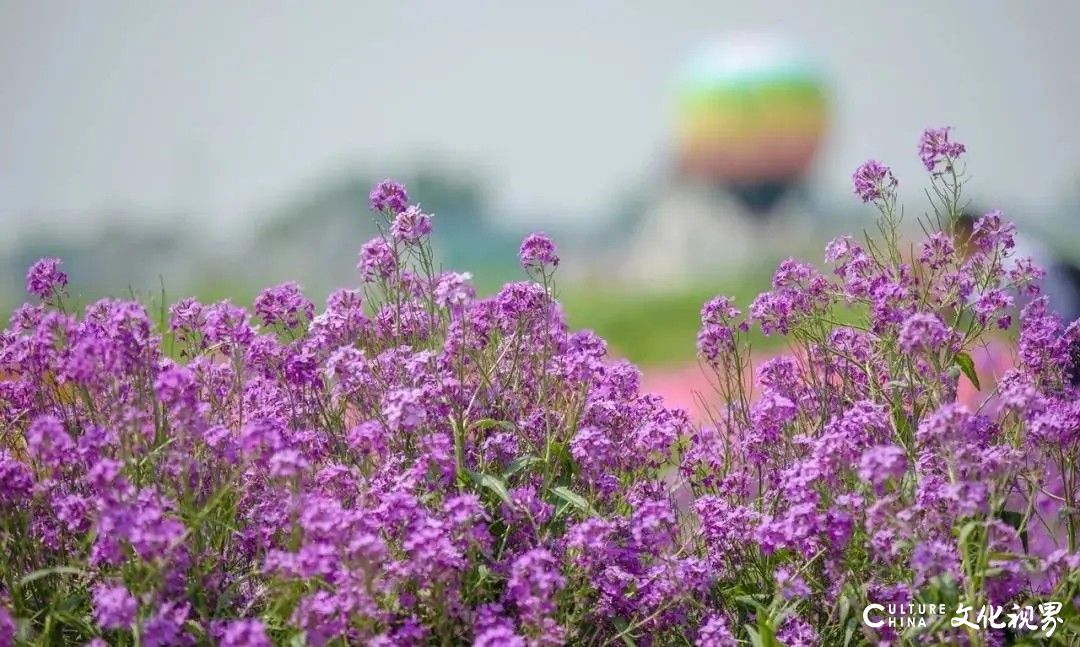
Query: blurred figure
[1062, 282]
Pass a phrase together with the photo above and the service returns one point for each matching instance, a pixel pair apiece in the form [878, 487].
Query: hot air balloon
[750, 115]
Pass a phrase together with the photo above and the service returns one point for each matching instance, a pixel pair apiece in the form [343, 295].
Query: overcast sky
[224, 108]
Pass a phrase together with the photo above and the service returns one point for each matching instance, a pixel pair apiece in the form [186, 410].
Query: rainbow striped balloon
[751, 112]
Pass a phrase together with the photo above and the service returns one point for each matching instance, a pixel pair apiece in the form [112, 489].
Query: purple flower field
[415, 465]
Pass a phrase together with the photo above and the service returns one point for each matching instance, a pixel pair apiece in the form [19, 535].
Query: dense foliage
[416, 465]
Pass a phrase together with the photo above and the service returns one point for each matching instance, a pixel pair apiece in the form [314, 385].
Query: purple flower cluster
[284, 305]
[538, 252]
[924, 332]
[873, 181]
[377, 259]
[411, 226]
[114, 608]
[393, 470]
[388, 196]
[935, 148]
[44, 277]
[417, 465]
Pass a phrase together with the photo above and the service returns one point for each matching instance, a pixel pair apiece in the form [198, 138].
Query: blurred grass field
[655, 327]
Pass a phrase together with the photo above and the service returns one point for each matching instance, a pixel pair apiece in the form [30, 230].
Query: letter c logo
[866, 616]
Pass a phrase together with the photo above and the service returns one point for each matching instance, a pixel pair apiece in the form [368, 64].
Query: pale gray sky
[225, 107]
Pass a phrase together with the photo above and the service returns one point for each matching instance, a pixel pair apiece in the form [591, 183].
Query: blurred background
[673, 150]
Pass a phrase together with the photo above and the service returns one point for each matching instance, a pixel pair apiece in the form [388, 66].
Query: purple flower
[726, 527]
[991, 231]
[881, 463]
[841, 249]
[45, 277]
[404, 409]
[534, 581]
[432, 551]
[718, 328]
[538, 252]
[715, 631]
[7, 627]
[114, 608]
[175, 386]
[937, 250]
[593, 450]
[1044, 349]
[873, 181]
[48, 441]
[934, 558]
[951, 424]
[651, 525]
[1025, 275]
[517, 301]
[186, 315]
[227, 325]
[773, 310]
[153, 532]
[285, 305]
[166, 626]
[322, 615]
[390, 196]
[992, 304]
[935, 147]
[454, 290]
[499, 636]
[244, 633]
[369, 438]
[719, 310]
[377, 260]
[343, 321]
[923, 332]
[411, 226]
[796, 632]
[288, 463]
[260, 436]
[791, 584]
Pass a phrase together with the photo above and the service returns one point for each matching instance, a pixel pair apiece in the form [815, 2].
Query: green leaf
[573, 498]
[850, 633]
[965, 532]
[749, 600]
[45, 572]
[493, 483]
[900, 421]
[482, 573]
[967, 366]
[71, 619]
[765, 632]
[195, 629]
[755, 638]
[1015, 519]
[624, 633]
[71, 603]
[844, 610]
[488, 423]
[520, 463]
